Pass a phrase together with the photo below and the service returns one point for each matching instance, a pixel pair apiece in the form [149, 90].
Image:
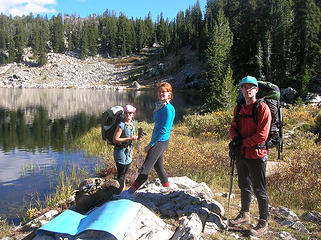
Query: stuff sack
[93, 192]
[109, 121]
[270, 94]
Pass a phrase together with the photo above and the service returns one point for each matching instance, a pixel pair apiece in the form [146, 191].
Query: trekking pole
[137, 159]
[232, 164]
[280, 146]
[141, 133]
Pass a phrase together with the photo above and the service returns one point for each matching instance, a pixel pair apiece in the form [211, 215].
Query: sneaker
[240, 219]
[260, 229]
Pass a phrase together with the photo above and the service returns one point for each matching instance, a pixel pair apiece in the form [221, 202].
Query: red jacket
[251, 133]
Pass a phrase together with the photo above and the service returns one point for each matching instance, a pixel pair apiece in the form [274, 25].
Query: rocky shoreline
[65, 71]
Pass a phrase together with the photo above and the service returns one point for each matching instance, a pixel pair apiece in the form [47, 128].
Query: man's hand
[235, 146]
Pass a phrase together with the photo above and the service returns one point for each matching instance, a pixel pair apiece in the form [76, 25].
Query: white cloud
[25, 7]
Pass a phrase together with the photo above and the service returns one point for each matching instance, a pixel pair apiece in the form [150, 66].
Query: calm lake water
[37, 127]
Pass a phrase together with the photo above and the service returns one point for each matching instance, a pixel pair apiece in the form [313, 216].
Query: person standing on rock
[123, 137]
[252, 160]
[164, 114]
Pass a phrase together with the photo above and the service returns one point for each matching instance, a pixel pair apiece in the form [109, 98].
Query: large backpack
[109, 121]
[95, 191]
[270, 94]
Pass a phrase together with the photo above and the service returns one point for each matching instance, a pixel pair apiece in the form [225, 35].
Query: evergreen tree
[19, 41]
[68, 29]
[219, 75]
[4, 31]
[306, 47]
[84, 50]
[92, 31]
[259, 59]
[42, 51]
[122, 35]
[3, 39]
[267, 58]
[76, 33]
[57, 34]
[150, 30]
[180, 29]
[3, 45]
[35, 41]
[141, 34]
[229, 93]
[281, 40]
[162, 32]
[11, 48]
[131, 36]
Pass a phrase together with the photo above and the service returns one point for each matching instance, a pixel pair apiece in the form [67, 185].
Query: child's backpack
[270, 94]
[109, 121]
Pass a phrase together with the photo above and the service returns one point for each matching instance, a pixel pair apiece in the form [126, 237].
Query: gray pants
[154, 158]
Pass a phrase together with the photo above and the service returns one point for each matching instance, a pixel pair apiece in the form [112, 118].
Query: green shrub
[216, 123]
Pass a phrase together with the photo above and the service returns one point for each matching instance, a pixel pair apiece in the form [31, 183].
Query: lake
[38, 127]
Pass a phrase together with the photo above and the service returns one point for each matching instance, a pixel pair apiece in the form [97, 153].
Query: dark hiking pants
[154, 158]
[122, 169]
[251, 172]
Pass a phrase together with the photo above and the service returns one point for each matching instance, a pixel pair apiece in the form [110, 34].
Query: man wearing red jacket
[252, 160]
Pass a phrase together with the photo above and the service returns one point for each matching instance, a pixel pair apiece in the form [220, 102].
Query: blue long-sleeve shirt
[163, 119]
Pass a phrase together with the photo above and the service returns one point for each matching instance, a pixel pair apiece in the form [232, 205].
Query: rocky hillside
[69, 71]
[64, 71]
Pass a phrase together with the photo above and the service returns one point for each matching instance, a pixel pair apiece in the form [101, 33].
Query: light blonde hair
[166, 86]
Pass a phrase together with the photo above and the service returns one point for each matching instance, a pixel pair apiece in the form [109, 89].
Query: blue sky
[83, 8]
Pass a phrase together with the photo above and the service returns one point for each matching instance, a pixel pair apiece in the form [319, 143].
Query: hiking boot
[260, 229]
[240, 219]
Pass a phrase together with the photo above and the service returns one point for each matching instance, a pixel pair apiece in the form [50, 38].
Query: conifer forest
[275, 40]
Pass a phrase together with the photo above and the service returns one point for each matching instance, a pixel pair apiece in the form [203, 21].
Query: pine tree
[150, 30]
[180, 29]
[11, 48]
[306, 47]
[141, 34]
[122, 34]
[19, 41]
[281, 41]
[162, 32]
[42, 51]
[92, 31]
[84, 50]
[219, 74]
[57, 34]
[259, 59]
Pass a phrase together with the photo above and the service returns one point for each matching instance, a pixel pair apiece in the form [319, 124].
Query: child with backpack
[123, 137]
[251, 161]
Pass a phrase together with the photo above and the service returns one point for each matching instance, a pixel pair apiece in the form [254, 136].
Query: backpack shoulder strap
[237, 113]
[256, 106]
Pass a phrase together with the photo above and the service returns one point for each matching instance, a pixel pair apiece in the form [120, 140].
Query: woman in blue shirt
[164, 114]
[123, 137]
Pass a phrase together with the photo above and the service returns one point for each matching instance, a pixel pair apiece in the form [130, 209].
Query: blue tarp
[113, 217]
